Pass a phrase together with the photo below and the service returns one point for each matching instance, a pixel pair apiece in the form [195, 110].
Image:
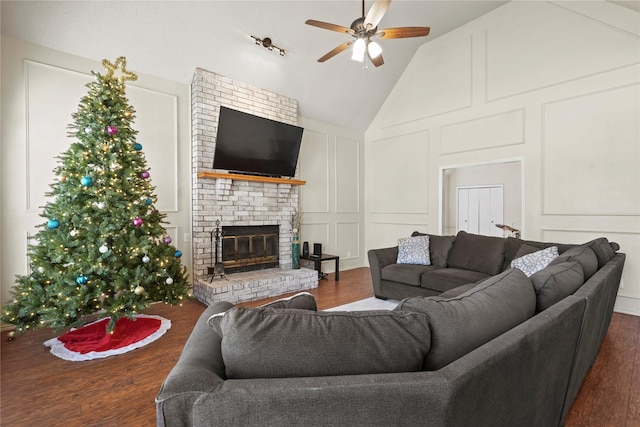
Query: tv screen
[255, 145]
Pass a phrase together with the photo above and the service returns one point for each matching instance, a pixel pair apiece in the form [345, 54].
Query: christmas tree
[102, 247]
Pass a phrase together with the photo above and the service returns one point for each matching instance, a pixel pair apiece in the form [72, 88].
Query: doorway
[477, 182]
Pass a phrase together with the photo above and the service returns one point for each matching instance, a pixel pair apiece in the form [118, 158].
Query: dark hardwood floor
[37, 388]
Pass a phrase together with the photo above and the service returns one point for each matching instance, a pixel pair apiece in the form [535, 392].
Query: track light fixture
[267, 44]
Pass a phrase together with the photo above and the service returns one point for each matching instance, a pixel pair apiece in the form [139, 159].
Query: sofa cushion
[556, 282]
[414, 250]
[267, 343]
[603, 250]
[443, 279]
[478, 253]
[439, 247]
[582, 254]
[534, 261]
[461, 324]
[409, 274]
[302, 301]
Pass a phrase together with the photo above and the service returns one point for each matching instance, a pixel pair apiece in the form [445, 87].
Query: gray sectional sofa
[506, 350]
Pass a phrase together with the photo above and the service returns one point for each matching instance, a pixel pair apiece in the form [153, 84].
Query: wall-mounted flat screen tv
[254, 145]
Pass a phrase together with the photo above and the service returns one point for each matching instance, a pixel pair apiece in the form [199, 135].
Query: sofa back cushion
[268, 343]
[584, 255]
[556, 282]
[477, 253]
[439, 247]
[603, 250]
[461, 324]
[301, 300]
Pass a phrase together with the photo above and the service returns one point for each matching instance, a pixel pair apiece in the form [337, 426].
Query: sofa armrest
[199, 369]
[378, 259]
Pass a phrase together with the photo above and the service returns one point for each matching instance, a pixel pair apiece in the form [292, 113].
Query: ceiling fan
[363, 29]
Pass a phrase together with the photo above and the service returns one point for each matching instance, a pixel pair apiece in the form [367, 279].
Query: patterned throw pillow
[535, 261]
[414, 250]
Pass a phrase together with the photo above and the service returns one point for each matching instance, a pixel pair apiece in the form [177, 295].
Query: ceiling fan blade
[376, 13]
[377, 61]
[328, 26]
[335, 51]
[403, 32]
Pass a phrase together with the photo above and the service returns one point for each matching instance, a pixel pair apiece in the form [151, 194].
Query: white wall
[41, 88]
[332, 200]
[555, 84]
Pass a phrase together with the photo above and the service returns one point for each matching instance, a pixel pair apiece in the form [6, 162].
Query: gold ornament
[120, 65]
[11, 335]
[63, 178]
[138, 290]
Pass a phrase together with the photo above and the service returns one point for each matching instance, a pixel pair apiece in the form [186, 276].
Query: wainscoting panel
[52, 95]
[157, 123]
[41, 90]
[486, 132]
[448, 70]
[347, 240]
[347, 182]
[574, 50]
[317, 232]
[386, 234]
[599, 132]
[314, 168]
[400, 164]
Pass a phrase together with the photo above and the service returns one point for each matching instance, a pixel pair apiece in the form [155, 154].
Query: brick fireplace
[237, 202]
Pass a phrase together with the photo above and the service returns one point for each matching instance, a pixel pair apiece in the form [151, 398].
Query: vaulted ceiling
[170, 39]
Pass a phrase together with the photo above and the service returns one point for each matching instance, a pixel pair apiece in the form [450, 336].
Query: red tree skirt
[92, 341]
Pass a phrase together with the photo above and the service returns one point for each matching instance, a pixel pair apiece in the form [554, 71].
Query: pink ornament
[145, 174]
[137, 222]
[112, 130]
[167, 239]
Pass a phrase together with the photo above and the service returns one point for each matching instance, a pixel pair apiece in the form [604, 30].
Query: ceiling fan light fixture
[374, 49]
[359, 48]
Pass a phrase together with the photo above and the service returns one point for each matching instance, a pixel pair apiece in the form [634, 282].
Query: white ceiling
[170, 39]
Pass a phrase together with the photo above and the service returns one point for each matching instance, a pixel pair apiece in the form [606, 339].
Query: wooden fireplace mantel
[254, 178]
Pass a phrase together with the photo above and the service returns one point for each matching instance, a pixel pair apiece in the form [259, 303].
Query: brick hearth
[237, 202]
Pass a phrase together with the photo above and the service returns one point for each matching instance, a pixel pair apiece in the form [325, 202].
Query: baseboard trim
[627, 305]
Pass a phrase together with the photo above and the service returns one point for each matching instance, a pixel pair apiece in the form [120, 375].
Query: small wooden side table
[317, 264]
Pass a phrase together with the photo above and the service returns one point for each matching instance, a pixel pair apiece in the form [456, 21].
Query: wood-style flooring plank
[37, 388]
[603, 399]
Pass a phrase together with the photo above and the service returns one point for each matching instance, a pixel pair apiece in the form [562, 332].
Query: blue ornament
[148, 201]
[178, 254]
[137, 146]
[53, 223]
[86, 181]
[81, 280]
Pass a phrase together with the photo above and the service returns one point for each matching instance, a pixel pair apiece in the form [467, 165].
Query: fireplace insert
[250, 247]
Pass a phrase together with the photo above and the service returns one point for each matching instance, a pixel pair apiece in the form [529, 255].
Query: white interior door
[480, 209]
